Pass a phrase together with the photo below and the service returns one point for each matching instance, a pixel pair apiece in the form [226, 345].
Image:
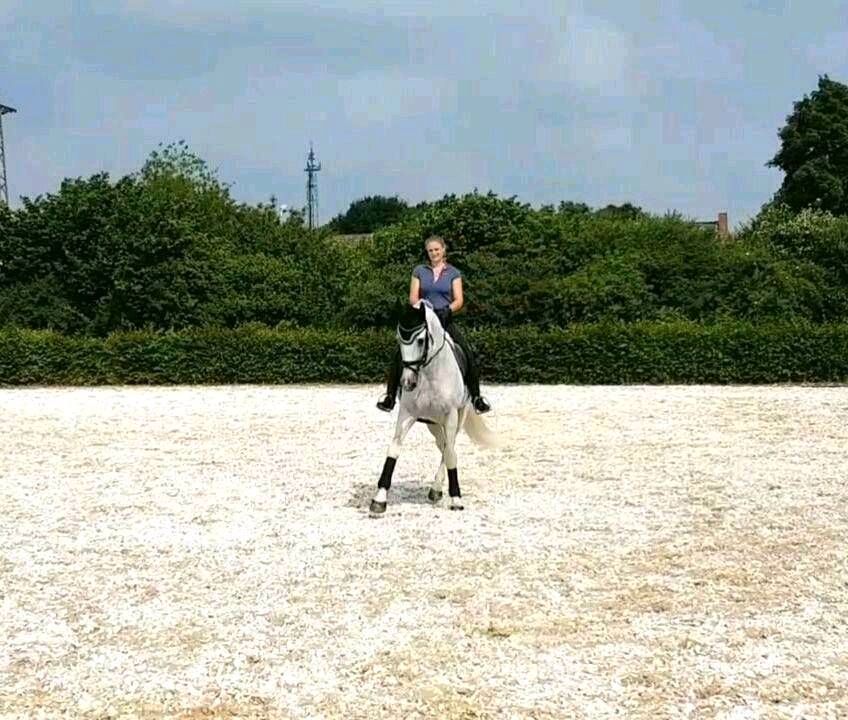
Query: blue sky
[671, 104]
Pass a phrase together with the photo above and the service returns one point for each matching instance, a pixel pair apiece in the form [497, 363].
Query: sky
[672, 105]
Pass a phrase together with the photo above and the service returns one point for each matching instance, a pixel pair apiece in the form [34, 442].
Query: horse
[434, 393]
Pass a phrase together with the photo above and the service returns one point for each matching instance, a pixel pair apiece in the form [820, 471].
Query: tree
[568, 207]
[369, 214]
[627, 211]
[814, 151]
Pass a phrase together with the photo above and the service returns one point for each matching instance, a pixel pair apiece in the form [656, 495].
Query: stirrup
[387, 403]
[481, 405]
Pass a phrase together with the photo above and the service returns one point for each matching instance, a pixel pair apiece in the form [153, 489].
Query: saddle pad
[461, 360]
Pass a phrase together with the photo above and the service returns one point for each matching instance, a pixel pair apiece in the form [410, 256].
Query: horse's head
[418, 331]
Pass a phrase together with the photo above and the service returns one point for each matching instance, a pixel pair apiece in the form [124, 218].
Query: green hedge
[673, 352]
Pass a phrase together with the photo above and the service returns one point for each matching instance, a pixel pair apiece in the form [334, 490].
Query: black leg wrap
[453, 483]
[388, 471]
[394, 375]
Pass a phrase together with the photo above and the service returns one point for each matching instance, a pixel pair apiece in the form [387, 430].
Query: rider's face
[435, 252]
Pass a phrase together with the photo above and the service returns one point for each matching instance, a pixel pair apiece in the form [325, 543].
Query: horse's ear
[407, 315]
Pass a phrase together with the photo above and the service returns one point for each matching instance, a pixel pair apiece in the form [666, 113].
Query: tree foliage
[164, 248]
[369, 214]
[814, 151]
[168, 248]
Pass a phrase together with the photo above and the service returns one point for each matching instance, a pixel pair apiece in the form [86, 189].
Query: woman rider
[440, 284]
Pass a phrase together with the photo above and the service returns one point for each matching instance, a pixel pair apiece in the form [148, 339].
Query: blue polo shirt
[440, 294]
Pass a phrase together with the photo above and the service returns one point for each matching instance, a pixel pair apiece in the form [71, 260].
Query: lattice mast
[311, 170]
[4, 186]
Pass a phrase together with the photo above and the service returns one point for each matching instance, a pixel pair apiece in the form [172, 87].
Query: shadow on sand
[410, 493]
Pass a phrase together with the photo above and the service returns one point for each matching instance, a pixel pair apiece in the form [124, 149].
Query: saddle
[458, 352]
[461, 358]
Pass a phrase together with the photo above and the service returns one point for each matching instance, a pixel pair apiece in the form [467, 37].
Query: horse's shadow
[408, 493]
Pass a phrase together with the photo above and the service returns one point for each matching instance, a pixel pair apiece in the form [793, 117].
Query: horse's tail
[478, 431]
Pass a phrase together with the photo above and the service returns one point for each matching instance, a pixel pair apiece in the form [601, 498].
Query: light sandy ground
[634, 552]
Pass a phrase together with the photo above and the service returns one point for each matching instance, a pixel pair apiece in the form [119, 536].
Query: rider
[440, 284]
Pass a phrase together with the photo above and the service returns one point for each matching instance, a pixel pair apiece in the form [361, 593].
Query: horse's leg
[451, 430]
[435, 493]
[404, 424]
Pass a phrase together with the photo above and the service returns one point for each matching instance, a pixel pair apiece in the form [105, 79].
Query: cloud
[594, 55]
[666, 104]
[8, 11]
[197, 13]
[689, 51]
[830, 54]
[311, 40]
[193, 13]
[380, 98]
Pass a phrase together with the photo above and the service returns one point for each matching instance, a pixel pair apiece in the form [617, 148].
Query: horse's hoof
[456, 504]
[377, 508]
[434, 496]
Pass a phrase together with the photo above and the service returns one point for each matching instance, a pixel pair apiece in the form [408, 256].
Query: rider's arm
[458, 299]
[414, 290]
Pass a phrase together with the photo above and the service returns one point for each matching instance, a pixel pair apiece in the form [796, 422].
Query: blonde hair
[437, 239]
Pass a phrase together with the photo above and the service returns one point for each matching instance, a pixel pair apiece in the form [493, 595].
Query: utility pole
[4, 187]
[311, 171]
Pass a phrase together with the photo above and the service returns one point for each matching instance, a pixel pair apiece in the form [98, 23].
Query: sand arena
[636, 552]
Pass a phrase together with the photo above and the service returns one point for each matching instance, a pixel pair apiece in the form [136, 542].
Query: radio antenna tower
[311, 170]
[4, 187]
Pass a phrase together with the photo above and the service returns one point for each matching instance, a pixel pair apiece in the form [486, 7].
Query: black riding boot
[473, 382]
[472, 375]
[387, 403]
